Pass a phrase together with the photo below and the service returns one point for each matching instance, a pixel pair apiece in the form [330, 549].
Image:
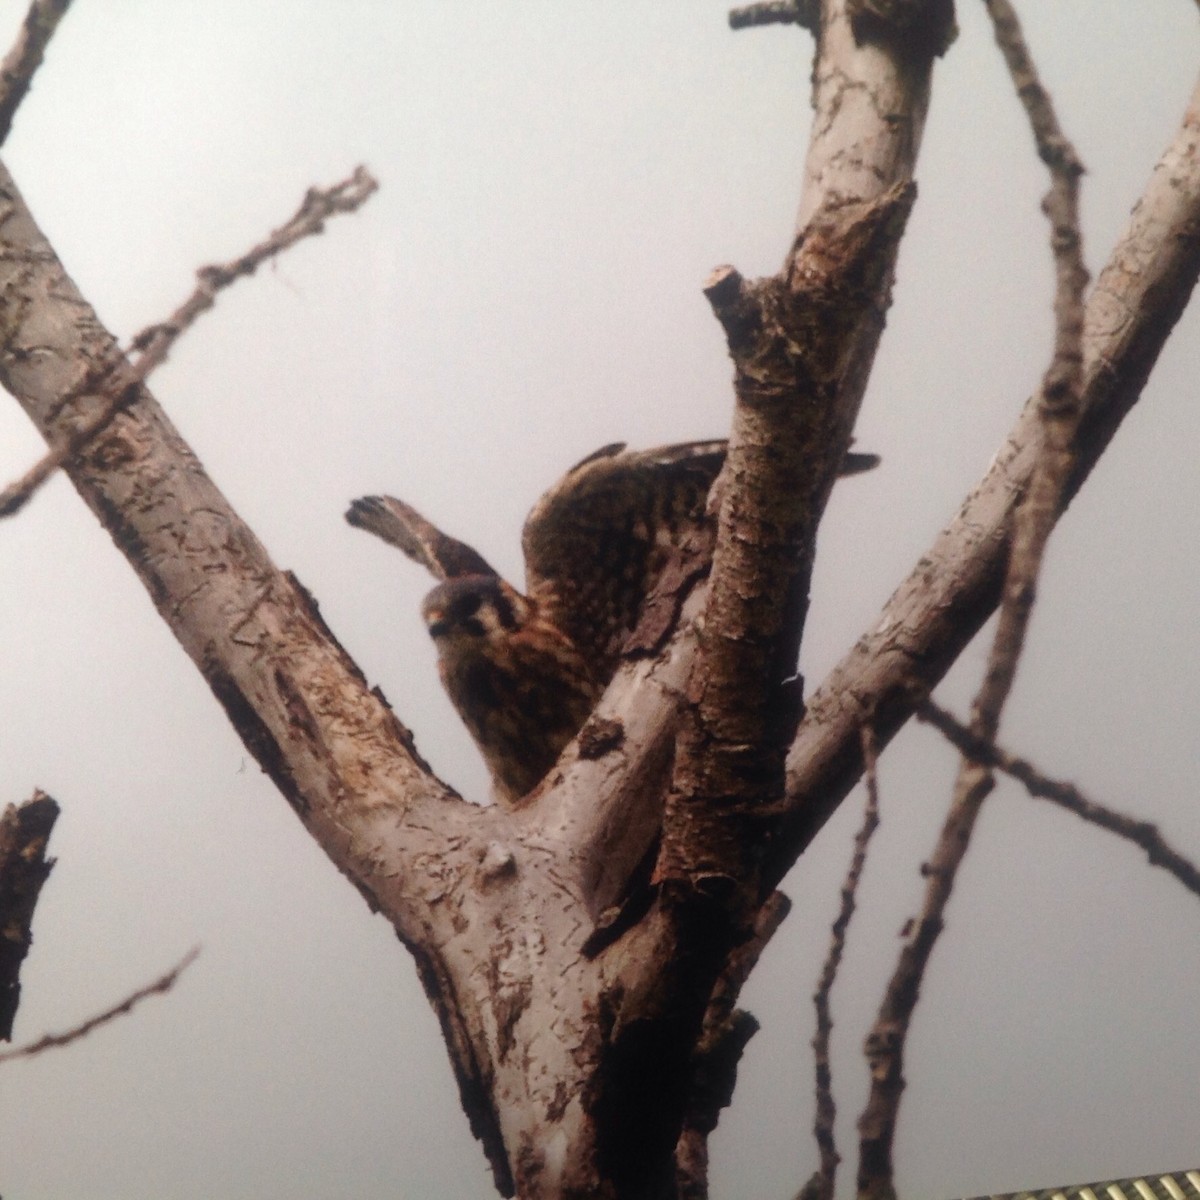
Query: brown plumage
[525, 671]
[521, 686]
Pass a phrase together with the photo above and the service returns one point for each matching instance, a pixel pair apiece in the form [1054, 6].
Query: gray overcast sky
[557, 181]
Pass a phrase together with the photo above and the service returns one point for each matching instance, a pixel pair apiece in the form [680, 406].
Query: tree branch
[1060, 398]
[51, 1040]
[1066, 795]
[956, 585]
[724, 1035]
[1058, 409]
[803, 383]
[330, 743]
[23, 60]
[802, 344]
[821, 1185]
[155, 342]
[24, 831]
[805, 13]
[792, 338]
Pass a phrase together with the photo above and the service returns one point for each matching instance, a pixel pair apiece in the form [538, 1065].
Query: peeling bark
[793, 339]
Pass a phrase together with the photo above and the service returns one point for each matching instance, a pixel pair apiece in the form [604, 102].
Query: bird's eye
[467, 606]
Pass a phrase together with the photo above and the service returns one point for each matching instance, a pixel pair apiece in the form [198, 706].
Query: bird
[525, 671]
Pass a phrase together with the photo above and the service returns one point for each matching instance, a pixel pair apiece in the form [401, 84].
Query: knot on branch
[913, 28]
[1056, 151]
[880, 1048]
[497, 863]
[788, 334]
[737, 304]
[845, 252]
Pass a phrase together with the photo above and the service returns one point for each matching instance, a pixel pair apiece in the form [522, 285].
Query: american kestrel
[525, 671]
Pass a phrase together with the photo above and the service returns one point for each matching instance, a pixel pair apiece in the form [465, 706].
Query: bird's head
[473, 609]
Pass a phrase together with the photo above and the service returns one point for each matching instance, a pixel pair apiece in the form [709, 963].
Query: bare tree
[589, 1004]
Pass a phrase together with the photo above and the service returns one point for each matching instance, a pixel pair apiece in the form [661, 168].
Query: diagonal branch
[23, 60]
[154, 343]
[152, 346]
[52, 1040]
[251, 629]
[956, 585]
[329, 742]
[1066, 795]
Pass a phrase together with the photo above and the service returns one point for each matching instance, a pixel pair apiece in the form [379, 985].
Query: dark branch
[913, 27]
[724, 1035]
[805, 13]
[23, 60]
[163, 984]
[1066, 795]
[821, 1185]
[1059, 408]
[24, 867]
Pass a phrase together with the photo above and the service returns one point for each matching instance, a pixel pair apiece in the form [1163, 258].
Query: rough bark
[332, 745]
[802, 345]
[24, 867]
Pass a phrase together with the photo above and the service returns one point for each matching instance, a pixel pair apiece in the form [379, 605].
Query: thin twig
[1062, 386]
[1059, 410]
[1066, 795]
[821, 1185]
[154, 343]
[149, 349]
[805, 13]
[17, 70]
[163, 984]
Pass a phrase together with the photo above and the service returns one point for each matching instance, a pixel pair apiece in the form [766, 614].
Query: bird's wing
[596, 542]
[400, 525]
